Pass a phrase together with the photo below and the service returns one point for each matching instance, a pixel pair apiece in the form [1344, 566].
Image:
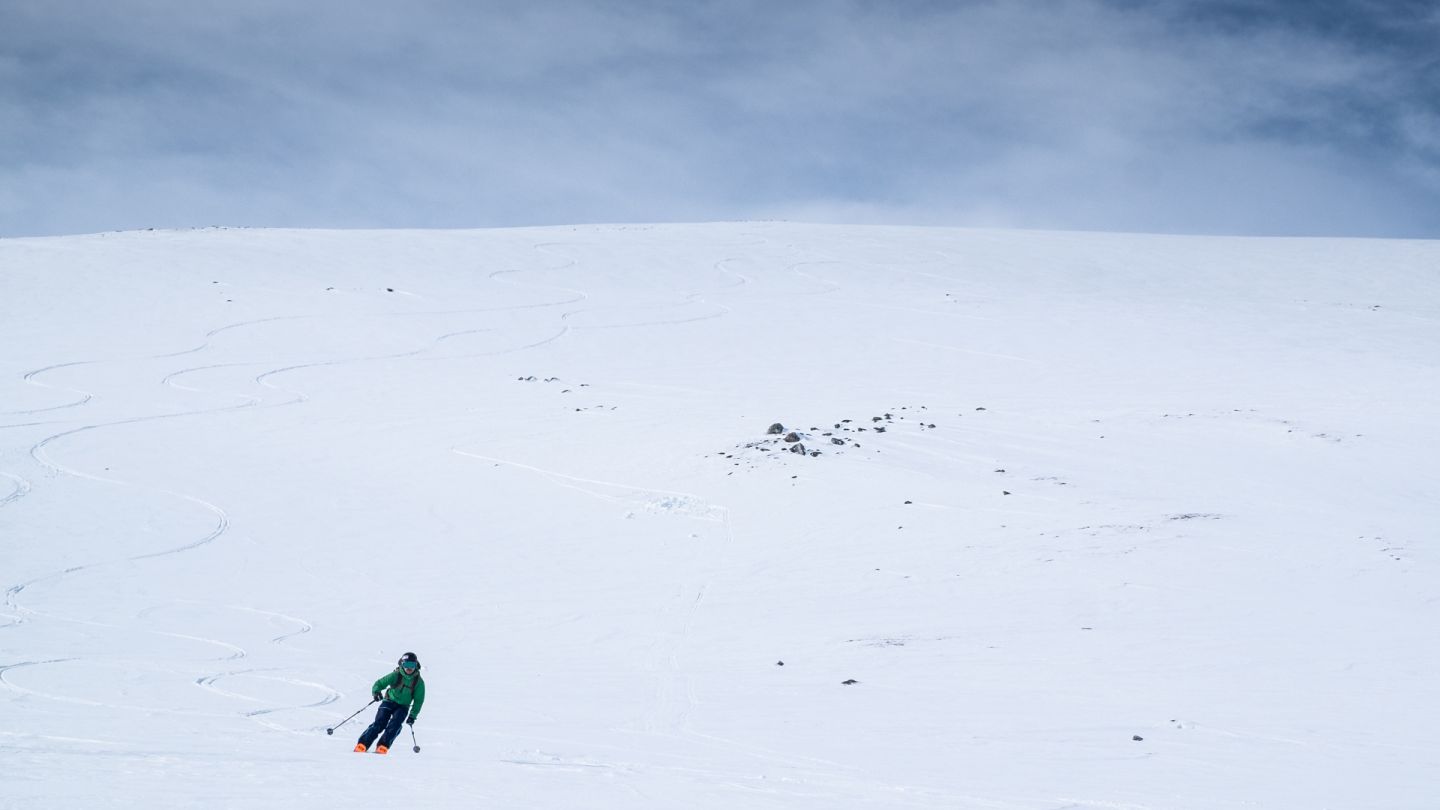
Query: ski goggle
[409, 664]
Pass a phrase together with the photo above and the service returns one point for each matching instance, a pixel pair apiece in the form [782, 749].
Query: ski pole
[331, 730]
[412, 739]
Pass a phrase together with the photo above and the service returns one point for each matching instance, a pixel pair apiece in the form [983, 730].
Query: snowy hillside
[1082, 520]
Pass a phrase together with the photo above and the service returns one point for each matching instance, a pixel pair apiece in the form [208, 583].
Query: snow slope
[1177, 489]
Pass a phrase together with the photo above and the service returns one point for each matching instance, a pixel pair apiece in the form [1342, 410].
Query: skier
[404, 692]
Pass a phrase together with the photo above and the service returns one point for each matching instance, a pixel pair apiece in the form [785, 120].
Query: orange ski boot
[360, 748]
[382, 749]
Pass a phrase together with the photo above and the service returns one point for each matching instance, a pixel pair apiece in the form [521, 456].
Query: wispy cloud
[1239, 116]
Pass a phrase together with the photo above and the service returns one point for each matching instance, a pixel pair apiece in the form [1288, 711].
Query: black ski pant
[388, 719]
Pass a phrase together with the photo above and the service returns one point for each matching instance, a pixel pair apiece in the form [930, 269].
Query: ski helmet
[408, 658]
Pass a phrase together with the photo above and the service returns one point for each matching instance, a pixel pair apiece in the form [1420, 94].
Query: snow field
[1174, 488]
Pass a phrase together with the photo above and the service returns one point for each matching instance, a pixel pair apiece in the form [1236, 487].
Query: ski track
[20, 490]
[86, 396]
[305, 627]
[830, 286]
[30, 377]
[260, 716]
[645, 498]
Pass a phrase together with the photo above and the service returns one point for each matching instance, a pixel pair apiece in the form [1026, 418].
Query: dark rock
[1004, 492]
[879, 430]
[779, 663]
[775, 429]
[1138, 738]
[909, 502]
[814, 453]
[850, 682]
[877, 418]
[792, 436]
[797, 448]
[837, 441]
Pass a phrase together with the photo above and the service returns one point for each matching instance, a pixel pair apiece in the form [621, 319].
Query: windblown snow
[1080, 520]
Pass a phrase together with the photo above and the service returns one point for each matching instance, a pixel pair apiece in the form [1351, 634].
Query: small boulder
[792, 436]
[775, 429]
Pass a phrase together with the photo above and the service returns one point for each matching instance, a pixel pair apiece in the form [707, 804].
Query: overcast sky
[1314, 117]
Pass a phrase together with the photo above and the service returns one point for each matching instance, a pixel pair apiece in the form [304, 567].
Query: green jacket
[407, 690]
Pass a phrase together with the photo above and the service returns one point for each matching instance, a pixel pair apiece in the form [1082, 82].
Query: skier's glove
[375, 697]
[410, 721]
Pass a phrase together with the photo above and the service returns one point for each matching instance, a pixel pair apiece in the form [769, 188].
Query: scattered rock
[837, 441]
[909, 502]
[797, 448]
[792, 436]
[1004, 492]
[389, 289]
[850, 682]
[879, 430]
[1138, 738]
[775, 429]
[877, 418]
[779, 663]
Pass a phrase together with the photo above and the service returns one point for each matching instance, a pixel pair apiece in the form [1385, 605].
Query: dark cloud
[1238, 116]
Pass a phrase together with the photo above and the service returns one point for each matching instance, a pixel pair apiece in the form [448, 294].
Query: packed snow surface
[1082, 520]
